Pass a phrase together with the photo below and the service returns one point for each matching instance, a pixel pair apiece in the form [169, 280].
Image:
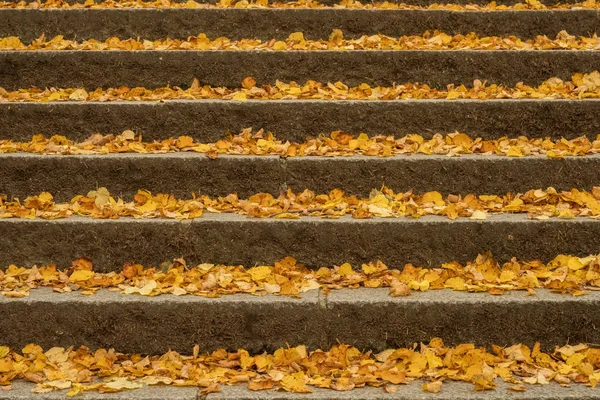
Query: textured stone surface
[153, 325]
[234, 239]
[266, 24]
[88, 69]
[296, 120]
[465, 174]
[181, 174]
[450, 391]
[124, 174]
[366, 318]
[22, 391]
[370, 318]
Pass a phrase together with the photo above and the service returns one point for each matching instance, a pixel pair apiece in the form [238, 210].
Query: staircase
[366, 318]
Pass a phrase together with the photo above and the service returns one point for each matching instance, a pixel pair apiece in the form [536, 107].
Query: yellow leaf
[240, 96]
[456, 283]
[574, 264]
[260, 273]
[295, 383]
[478, 215]
[79, 95]
[81, 275]
[432, 387]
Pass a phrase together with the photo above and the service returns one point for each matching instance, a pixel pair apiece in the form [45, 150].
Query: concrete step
[336, 3]
[233, 239]
[21, 390]
[413, 391]
[265, 24]
[180, 174]
[295, 120]
[365, 318]
[152, 69]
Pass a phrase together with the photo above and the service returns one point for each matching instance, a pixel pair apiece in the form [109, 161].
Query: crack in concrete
[283, 163]
[322, 299]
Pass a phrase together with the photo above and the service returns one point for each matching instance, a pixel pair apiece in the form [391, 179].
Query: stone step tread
[295, 120]
[182, 174]
[86, 69]
[365, 318]
[266, 24]
[450, 391]
[232, 239]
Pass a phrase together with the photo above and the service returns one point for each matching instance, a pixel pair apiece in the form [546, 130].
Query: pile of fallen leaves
[295, 369]
[581, 86]
[564, 274]
[338, 143]
[537, 204]
[492, 6]
[428, 41]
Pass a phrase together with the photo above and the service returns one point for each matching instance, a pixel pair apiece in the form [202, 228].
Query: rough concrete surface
[235, 239]
[181, 174]
[22, 391]
[265, 24]
[93, 69]
[153, 325]
[465, 174]
[366, 318]
[450, 391]
[208, 120]
[370, 318]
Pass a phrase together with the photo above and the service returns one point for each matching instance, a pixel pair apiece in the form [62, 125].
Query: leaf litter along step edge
[564, 274]
[536, 203]
[337, 143]
[435, 40]
[298, 370]
[581, 86]
[351, 4]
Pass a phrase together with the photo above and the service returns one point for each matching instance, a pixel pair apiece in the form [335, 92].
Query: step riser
[233, 240]
[68, 176]
[266, 24]
[410, 2]
[88, 69]
[208, 121]
[182, 174]
[363, 318]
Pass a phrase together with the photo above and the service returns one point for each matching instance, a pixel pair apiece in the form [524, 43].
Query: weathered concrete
[266, 24]
[465, 174]
[413, 2]
[88, 69]
[370, 318]
[366, 318]
[235, 239]
[124, 174]
[450, 391]
[412, 391]
[208, 120]
[21, 390]
[153, 325]
[181, 174]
